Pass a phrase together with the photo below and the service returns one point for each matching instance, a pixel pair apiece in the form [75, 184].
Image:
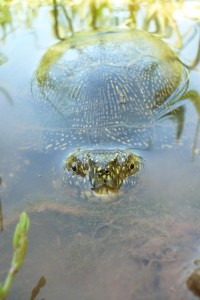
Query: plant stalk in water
[20, 241]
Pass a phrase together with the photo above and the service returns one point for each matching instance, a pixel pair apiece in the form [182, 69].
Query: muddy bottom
[86, 256]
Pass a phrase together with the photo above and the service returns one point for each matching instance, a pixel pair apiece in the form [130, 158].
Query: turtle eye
[132, 166]
[74, 167]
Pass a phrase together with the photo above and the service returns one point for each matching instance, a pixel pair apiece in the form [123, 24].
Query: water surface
[141, 246]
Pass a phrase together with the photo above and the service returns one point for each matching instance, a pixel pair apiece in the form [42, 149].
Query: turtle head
[106, 169]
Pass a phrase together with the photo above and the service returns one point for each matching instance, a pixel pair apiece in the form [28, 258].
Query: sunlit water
[141, 246]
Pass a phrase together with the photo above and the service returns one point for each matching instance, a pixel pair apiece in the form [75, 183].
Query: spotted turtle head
[106, 170]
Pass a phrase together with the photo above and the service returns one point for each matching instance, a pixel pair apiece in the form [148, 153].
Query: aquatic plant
[20, 241]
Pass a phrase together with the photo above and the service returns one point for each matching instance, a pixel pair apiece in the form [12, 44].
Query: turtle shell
[106, 90]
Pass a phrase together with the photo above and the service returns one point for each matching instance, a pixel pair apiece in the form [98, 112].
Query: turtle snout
[103, 172]
[100, 177]
[104, 175]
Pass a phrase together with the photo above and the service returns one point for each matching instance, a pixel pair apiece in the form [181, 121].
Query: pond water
[143, 243]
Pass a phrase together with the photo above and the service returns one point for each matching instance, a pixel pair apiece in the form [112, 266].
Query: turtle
[100, 94]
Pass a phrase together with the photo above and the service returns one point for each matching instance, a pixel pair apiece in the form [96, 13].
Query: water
[141, 246]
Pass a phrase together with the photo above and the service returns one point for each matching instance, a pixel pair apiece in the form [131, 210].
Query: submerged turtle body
[102, 93]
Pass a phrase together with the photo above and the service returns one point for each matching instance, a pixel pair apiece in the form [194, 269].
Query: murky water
[141, 246]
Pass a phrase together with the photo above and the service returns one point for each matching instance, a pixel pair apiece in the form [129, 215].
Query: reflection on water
[141, 246]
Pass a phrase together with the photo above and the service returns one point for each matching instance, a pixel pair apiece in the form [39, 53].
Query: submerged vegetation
[20, 241]
[69, 16]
